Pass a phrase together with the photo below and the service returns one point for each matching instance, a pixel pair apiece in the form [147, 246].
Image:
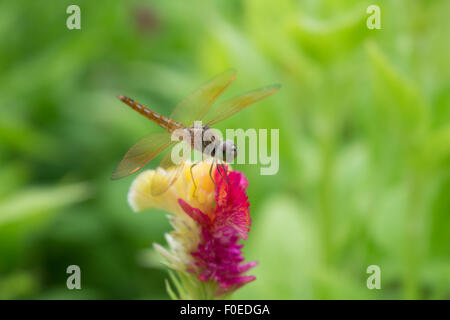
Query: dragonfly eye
[229, 151]
[234, 151]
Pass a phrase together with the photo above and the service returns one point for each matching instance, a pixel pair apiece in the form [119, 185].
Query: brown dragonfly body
[193, 108]
[164, 122]
[172, 125]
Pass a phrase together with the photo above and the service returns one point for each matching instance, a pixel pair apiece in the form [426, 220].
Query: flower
[209, 221]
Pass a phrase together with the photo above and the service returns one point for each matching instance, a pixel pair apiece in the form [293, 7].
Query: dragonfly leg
[192, 176]
[210, 171]
[225, 172]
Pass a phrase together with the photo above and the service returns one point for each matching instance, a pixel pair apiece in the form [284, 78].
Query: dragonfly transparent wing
[196, 105]
[226, 109]
[166, 174]
[142, 152]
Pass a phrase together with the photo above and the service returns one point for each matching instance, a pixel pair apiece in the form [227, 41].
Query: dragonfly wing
[226, 109]
[166, 175]
[195, 106]
[142, 152]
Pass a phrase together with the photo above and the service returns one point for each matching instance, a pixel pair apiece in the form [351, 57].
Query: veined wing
[142, 152]
[226, 109]
[195, 106]
[166, 174]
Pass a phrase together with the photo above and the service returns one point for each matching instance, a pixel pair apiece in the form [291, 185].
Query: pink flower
[218, 256]
[209, 221]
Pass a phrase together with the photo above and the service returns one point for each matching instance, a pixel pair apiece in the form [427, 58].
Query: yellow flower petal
[186, 235]
[202, 197]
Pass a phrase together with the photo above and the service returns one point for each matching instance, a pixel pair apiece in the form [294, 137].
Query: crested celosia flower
[208, 221]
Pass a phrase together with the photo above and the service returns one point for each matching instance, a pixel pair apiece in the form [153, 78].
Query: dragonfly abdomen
[159, 119]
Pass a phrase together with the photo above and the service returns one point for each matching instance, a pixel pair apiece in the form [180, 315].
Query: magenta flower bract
[209, 220]
[218, 256]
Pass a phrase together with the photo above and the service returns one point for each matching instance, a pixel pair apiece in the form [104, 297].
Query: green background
[363, 115]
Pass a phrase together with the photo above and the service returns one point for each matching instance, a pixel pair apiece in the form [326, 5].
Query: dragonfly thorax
[209, 143]
[226, 150]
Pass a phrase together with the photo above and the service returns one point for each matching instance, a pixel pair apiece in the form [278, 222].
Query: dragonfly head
[229, 150]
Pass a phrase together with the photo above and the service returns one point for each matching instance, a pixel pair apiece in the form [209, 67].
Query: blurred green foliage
[364, 119]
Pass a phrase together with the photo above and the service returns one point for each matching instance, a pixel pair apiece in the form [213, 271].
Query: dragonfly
[198, 106]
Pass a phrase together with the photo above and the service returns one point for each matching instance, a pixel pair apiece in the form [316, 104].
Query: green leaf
[38, 200]
[400, 102]
[284, 242]
[172, 294]
[328, 40]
